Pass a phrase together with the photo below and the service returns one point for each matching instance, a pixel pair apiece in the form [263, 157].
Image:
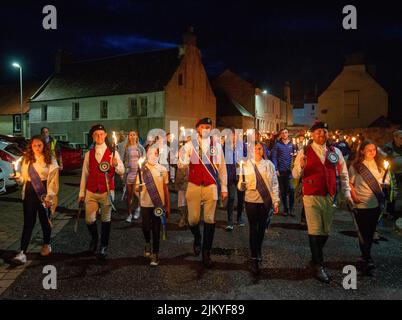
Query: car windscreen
[14, 150]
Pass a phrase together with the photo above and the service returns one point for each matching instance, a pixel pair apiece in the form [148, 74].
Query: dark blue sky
[267, 42]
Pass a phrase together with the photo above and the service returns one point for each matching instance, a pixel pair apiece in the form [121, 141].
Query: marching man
[207, 177]
[324, 173]
[97, 187]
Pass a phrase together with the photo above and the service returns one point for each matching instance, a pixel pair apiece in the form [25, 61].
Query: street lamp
[16, 65]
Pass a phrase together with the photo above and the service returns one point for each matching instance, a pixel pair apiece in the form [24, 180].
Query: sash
[105, 167]
[262, 189]
[36, 182]
[156, 199]
[372, 183]
[205, 160]
[333, 158]
[39, 188]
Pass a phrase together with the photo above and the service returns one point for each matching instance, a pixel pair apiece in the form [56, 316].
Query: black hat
[319, 125]
[203, 121]
[97, 127]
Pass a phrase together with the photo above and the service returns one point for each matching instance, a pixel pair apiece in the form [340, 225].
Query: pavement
[126, 274]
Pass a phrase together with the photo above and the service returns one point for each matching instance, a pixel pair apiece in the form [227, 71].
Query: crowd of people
[263, 172]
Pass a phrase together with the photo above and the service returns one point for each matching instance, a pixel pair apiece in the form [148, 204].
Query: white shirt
[48, 172]
[320, 151]
[186, 154]
[268, 173]
[363, 191]
[99, 152]
[160, 175]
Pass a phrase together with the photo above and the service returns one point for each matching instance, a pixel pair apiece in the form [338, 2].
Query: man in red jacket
[324, 174]
[207, 175]
[97, 187]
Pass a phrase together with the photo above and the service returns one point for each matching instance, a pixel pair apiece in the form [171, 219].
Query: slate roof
[124, 74]
[225, 106]
[10, 98]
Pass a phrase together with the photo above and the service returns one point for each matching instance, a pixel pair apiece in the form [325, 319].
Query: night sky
[266, 42]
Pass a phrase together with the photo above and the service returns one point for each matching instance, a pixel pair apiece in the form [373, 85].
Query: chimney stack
[189, 38]
[286, 91]
[62, 58]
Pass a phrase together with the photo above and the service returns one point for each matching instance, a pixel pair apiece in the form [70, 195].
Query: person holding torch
[324, 174]
[100, 165]
[152, 184]
[39, 177]
[369, 176]
[204, 157]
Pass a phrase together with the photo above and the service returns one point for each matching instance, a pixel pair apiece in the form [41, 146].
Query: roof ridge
[123, 55]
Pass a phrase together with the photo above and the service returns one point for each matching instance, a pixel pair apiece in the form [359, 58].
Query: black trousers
[257, 216]
[286, 189]
[151, 223]
[240, 204]
[32, 207]
[367, 220]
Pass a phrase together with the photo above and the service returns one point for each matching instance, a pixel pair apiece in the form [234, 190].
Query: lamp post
[16, 65]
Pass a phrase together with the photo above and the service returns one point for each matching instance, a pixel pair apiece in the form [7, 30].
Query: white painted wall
[306, 115]
[118, 108]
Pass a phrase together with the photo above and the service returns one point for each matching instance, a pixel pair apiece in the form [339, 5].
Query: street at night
[126, 274]
[200, 158]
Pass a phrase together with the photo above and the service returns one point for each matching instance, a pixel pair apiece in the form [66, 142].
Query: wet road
[126, 274]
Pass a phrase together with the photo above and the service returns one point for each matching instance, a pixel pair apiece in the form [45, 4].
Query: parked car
[72, 158]
[21, 142]
[9, 152]
[2, 181]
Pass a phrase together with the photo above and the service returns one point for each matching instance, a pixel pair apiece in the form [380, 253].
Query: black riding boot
[195, 230]
[316, 253]
[93, 232]
[106, 226]
[209, 231]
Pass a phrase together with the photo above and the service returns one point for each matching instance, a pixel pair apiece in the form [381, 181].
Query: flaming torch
[15, 165]
[114, 142]
[140, 162]
[386, 167]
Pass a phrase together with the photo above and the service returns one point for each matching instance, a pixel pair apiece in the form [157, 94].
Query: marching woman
[258, 178]
[367, 179]
[40, 184]
[152, 183]
[132, 152]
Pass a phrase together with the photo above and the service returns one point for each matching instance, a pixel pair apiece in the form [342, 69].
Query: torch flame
[114, 137]
[354, 139]
[386, 164]
[16, 162]
[141, 161]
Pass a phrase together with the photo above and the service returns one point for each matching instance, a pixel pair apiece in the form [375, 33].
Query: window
[143, 106]
[103, 109]
[180, 79]
[60, 137]
[351, 104]
[132, 107]
[44, 113]
[17, 123]
[76, 110]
